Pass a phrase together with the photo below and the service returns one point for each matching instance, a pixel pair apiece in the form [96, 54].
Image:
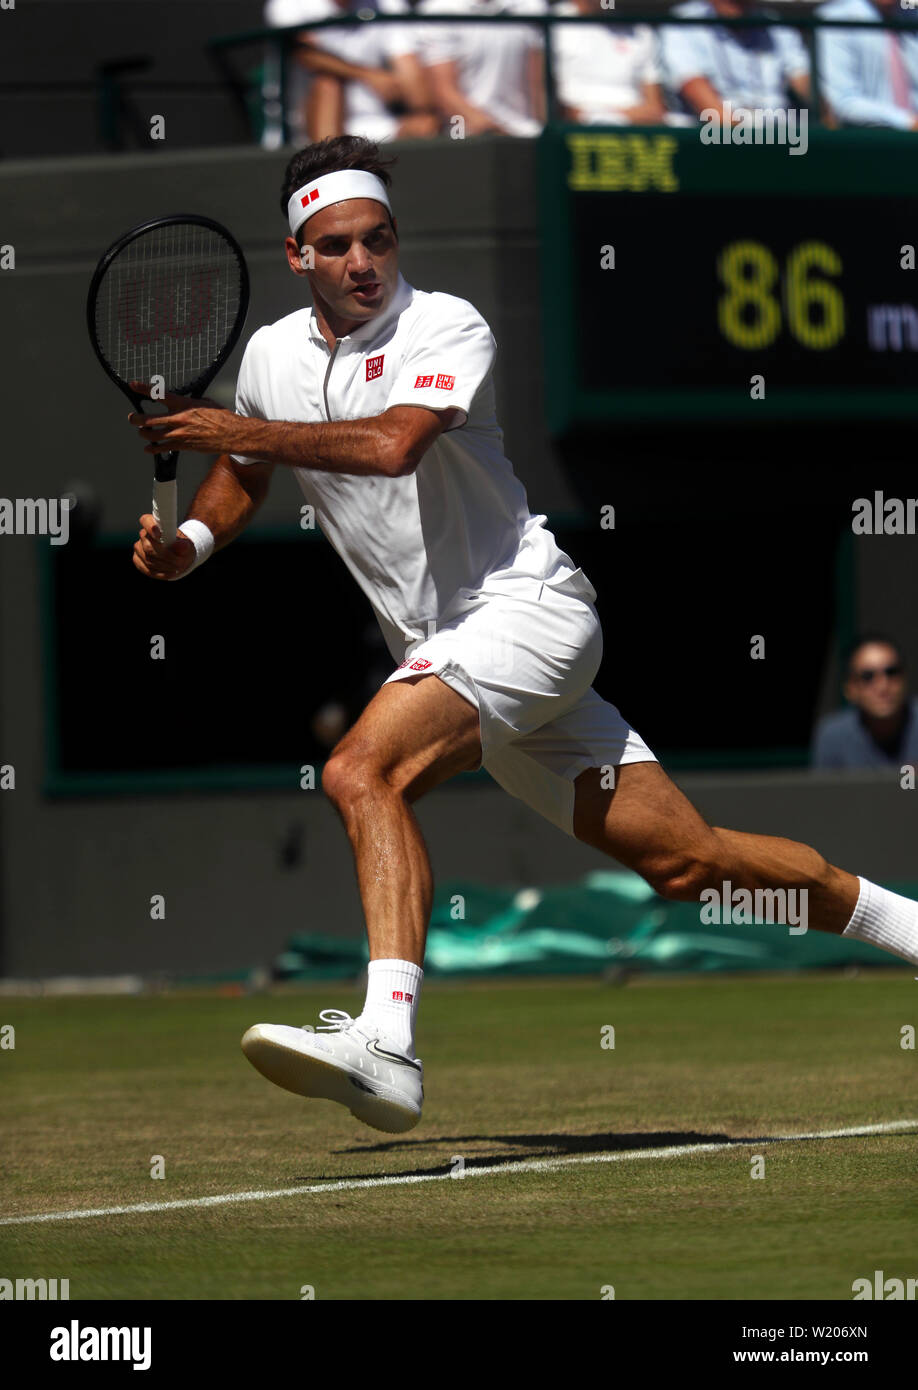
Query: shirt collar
[364, 336]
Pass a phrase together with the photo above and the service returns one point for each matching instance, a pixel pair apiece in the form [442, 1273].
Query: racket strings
[167, 304]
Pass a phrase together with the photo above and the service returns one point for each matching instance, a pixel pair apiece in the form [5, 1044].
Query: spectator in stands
[752, 69]
[366, 78]
[872, 78]
[606, 74]
[881, 728]
[485, 77]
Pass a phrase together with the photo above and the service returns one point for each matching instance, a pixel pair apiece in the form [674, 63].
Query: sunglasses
[865, 677]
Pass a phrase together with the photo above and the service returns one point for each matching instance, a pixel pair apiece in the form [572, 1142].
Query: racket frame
[164, 498]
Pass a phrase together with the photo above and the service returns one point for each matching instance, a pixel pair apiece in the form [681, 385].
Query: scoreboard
[684, 281]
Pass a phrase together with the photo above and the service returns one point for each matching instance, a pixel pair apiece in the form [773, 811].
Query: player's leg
[649, 825]
[646, 823]
[414, 734]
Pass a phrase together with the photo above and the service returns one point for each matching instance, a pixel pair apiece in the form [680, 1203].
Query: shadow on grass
[536, 1146]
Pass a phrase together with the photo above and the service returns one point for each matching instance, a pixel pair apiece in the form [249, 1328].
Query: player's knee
[350, 777]
[344, 779]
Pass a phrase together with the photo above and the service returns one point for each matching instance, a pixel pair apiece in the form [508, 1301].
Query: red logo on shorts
[445, 383]
[423, 381]
[374, 367]
[402, 998]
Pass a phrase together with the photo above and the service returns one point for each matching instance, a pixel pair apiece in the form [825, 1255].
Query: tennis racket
[168, 300]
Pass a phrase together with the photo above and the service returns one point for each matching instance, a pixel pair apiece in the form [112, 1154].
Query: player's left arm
[390, 445]
[437, 379]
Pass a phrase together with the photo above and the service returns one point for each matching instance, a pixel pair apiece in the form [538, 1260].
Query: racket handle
[165, 509]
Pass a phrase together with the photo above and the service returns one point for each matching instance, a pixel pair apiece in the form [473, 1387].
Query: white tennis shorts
[525, 652]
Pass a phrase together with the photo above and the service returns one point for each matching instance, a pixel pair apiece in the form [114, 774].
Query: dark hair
[329, 157]
[864, 640]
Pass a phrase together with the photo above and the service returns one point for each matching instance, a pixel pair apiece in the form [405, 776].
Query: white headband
[334, 188]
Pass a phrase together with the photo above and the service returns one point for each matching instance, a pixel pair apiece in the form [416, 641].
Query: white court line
[536, 1165]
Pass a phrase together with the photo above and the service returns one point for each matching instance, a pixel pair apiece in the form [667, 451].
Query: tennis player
[380, 398]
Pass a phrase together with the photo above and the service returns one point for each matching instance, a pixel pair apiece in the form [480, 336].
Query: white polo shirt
[601, 68]
[419, 546]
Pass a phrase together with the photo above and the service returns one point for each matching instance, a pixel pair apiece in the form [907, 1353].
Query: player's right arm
[226, 501]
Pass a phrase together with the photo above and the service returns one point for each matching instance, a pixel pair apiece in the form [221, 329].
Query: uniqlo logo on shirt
[423, 381]
[445, 383]
[374, 367]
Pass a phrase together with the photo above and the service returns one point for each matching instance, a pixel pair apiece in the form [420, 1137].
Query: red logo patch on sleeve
[445, 383]
[374, 367]
[423, 381]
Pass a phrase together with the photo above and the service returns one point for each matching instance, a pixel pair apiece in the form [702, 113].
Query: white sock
[393, 991]
[885, 919]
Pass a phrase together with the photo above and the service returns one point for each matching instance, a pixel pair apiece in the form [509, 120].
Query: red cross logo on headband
[309, 197]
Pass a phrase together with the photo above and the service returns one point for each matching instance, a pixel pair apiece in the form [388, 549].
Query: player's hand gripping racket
[168, 300]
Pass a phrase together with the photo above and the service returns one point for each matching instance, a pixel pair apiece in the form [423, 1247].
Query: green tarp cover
[605, 922]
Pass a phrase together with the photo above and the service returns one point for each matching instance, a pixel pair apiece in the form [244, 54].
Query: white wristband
[202, 538]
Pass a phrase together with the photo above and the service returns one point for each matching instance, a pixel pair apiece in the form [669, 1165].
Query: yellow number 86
[749, 313]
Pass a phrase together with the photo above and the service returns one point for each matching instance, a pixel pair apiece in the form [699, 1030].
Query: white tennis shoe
[342, 1061]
